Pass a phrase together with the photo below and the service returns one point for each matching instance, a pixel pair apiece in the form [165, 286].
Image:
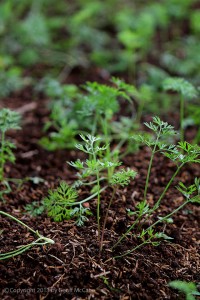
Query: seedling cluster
[102, 169]
[147, 74]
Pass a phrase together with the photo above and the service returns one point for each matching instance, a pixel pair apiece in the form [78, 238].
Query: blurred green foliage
[143, 42]
[63, 34]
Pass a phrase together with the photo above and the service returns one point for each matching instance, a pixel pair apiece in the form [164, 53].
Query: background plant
[186, 91]
[8, 120]
[93, 109]
[188, 288]
[129, 32]
[63, 120]
[193, 118]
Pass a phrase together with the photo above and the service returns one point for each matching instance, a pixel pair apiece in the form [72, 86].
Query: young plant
[142, 209]
[99, 107]
[41, 240]
[186, 91]
[161, 130]
[62, 203]
[147, 237]
[136, 39]
[94, 165]
[188, 288]
[191, 195]
[181, 154]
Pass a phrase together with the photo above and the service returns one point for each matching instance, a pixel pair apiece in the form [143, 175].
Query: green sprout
[93, 166]
[181, 154]
[162, 131]
[191, 195]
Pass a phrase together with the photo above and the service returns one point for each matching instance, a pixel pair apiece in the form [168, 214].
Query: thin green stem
[16, 252]
[149, 239]
[140, 110]
[120, 144]
[2, 155]
[11, 253]
[150, 166]
[26, 247]
[135, 248]
[18, 221]
[127, 232]
[168, 216]
[98, 192]
[167, 187]
[94, 127]
[88, 198]
[104, 123]
[157, 204]
[41, 238]
[98, 205]
[181, 118]
[94, 181]
[16, 180]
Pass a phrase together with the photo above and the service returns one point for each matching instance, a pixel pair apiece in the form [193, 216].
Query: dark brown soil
[72, 267]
